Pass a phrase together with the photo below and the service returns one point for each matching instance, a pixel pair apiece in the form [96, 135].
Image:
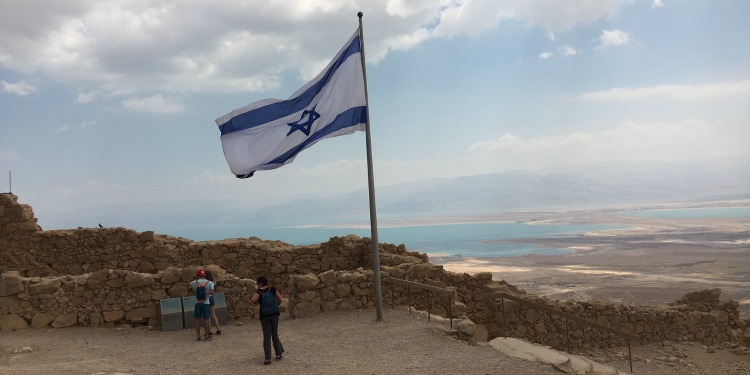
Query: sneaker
[267, 362]
[218, 332]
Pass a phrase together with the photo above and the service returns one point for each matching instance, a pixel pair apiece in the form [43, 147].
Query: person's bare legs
[215, 320]
[207, 327]
[198, 328]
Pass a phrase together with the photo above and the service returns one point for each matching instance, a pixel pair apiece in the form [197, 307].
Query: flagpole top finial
[359, 14]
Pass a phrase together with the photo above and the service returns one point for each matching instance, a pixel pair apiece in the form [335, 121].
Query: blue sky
[106, 103]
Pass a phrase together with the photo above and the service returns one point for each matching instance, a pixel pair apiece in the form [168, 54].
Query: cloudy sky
[106, 103]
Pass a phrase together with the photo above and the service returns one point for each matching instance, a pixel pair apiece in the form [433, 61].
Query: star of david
[306, 125]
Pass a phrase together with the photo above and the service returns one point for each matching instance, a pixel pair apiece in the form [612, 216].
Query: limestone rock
[171, 275]
[305, 282]
[45, 287]
[466, 329]
[113, 316]
[135, 280]
[65, 320]
[41, 320]
[142, 314]
[12, 322]
[10, 283]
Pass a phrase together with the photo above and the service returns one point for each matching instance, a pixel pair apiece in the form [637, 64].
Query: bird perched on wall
[100, 225]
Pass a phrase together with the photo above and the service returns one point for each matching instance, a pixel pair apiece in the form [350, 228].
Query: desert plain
[645, 261]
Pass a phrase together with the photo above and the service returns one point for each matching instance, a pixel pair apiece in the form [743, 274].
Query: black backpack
[200, 291]
[269, 305]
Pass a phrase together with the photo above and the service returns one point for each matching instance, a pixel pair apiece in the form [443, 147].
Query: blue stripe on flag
[277, 110]
[350, 117]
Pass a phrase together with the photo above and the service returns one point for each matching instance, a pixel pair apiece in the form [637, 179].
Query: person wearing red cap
[202, 312]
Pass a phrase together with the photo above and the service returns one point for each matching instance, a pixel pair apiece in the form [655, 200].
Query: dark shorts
[211, 301]
[201, 311]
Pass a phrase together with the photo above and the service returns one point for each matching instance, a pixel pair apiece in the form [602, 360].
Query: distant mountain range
[595, 185]
[580, 186]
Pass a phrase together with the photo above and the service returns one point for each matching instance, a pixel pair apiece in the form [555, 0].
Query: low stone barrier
[698, 317]
[107, 297]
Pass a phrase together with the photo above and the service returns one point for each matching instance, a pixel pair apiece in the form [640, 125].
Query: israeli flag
[270, 133]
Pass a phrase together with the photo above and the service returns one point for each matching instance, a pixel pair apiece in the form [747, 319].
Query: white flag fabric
[270, 133]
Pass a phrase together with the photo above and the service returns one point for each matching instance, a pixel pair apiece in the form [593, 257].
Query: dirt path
[344, 342]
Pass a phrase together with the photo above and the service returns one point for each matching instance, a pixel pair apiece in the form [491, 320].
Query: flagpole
[371, 185]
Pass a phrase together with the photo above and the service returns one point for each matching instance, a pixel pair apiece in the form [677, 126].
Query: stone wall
[92, 276]
[311, 294]
[106, 297]
[698, 317]
[25, 248]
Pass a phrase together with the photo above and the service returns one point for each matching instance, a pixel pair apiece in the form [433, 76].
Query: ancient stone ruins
[111, 276]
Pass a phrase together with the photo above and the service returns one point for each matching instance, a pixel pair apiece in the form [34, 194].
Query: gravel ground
[344, 342]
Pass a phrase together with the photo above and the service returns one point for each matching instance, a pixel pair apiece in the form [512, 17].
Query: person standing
[212, 303]
[269, 300]
[202, 311]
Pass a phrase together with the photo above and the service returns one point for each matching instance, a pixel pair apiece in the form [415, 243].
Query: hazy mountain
[587, 185]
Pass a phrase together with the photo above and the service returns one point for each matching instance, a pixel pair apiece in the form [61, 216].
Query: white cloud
[657, 4]
[561, 15]
[208, 177]
[671, 91]
[341, 167]
[86, 97]
[613, 38]
[110, 47]
[82, 125]
[687, 140]
[88, 124]
[551, 36]
[20, 88]
[9, 156]
[545, 55]
[153, 104]
[567, 51]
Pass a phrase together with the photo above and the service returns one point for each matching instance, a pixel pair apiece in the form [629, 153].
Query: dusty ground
[345, 342]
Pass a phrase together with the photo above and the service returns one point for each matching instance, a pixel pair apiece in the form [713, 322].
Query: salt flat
[649, 262]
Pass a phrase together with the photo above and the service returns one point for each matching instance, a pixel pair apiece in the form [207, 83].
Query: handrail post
[502, 309]
[450, 309]
[567, 334]
[393, 297]
[630, 357]
[429, 306]
[408, 292]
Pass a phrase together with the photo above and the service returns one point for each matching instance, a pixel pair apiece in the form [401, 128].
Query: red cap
[201, 273]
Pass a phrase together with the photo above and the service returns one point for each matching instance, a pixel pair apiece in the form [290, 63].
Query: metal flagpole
[371, 184]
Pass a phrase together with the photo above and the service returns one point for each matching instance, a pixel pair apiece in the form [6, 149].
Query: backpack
[200, 291]
[269, 305]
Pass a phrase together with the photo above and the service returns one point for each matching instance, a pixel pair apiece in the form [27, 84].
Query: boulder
[10, 283]
[65, 320]
[12, 322]
[41, 320]
[305, 282]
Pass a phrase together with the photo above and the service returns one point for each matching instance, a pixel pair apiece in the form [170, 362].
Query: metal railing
[428, 288]
[493, 298]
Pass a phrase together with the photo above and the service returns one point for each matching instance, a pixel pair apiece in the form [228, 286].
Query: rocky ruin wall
[26, 248]
[107, 297]
[698, 317]
[317, 278]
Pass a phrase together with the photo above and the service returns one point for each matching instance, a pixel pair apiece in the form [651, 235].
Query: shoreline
[647, 262]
